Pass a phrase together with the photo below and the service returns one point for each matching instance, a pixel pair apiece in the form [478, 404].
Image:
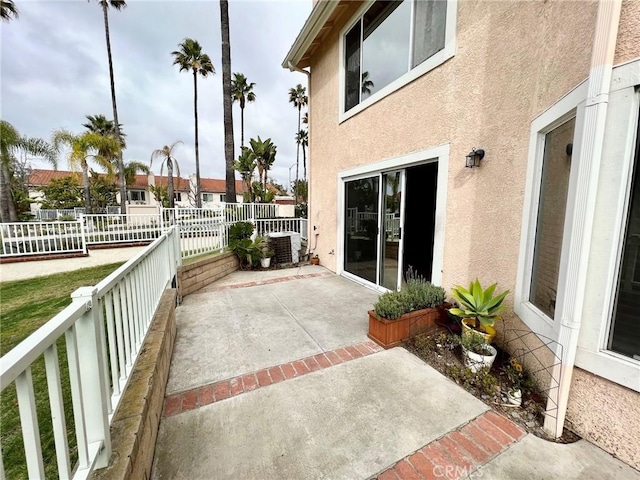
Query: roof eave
[318, 17]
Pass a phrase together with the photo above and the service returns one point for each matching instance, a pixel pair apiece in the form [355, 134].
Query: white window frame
[571, 105]
[607, 238]
[429, 64]
[210, 195]
[440, 154]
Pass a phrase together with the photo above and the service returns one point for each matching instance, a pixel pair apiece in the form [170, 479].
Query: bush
[240, 231]
[423, 294]
[419, 294]
[392, 305]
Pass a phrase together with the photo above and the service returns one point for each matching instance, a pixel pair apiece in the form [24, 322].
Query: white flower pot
[475, 362]
[515, 397]
[265, 262]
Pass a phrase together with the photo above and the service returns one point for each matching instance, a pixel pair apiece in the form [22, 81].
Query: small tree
[160, 193]
[62, 193]
[103, 192]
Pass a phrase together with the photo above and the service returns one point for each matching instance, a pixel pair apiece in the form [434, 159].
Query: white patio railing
[266, 226]
[101, 229]
[202, 230]
[103, 329]
[31, 238]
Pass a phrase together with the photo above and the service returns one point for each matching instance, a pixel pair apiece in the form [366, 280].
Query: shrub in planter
[396, 316]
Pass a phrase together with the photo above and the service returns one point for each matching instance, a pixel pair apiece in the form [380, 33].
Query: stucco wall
[628, 43]
[606, 414]
[513, 60]
[485, 96]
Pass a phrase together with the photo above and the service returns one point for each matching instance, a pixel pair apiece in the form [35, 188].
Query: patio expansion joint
[215, 392]
[458, 453]
[267, 281]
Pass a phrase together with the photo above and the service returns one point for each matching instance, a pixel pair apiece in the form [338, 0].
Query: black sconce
[474, 157]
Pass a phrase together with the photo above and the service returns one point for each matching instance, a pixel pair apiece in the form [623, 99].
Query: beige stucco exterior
[513, 60]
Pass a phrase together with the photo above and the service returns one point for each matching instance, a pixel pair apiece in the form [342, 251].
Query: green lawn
[25, 305]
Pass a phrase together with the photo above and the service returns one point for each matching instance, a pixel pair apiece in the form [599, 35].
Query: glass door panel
[390, 248]
[361, 227]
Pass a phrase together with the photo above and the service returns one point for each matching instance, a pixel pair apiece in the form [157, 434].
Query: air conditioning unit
[287, 247]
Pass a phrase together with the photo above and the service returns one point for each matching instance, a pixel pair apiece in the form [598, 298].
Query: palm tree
[302, 139]
[245, 165]
[166, 153]
[298, 96]
[103, 126]
[118, 5]
[7, 10]
[85, 146]
[265, 154]
[132, 168]
[11, 142]
[367, 83]
[227, 104]
[305, 118]
[242, 92]
[190, 57]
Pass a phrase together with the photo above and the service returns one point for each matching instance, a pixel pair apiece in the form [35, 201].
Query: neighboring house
[401, 92]
[213, 190]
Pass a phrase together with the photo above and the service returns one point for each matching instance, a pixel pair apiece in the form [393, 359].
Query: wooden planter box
[391, 333]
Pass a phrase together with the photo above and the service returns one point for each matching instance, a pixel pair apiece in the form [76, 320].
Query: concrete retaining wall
[135, 426]
[199, 274]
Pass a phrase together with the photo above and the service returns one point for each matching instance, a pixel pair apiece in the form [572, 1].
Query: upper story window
[207, 197]
[390, 44]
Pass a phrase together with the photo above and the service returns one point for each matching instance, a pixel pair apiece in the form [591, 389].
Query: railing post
[83, 236]
[91, 362]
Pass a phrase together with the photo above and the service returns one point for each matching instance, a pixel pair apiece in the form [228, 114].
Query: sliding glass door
[391, 241]
[362, 207]
[373, 228]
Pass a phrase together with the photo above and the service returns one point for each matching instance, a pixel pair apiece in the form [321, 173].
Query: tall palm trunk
[123, 184]
[298, 147]
[195, 114]
[227, 103]
[86, 188]
[170, 183]
[8, 212]
[241, 123]
[304, 161]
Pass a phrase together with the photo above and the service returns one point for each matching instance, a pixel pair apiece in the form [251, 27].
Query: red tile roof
[41, 178]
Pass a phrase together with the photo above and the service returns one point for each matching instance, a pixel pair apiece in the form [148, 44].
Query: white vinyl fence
[37, 238]
[101, 229]
[103, 330]
[202, 230]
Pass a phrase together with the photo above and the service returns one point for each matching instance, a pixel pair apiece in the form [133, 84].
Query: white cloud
[54, 72]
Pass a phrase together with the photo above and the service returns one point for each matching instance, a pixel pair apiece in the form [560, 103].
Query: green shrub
[240, 231]
[423, 294]
[392, 305]
[418, 294]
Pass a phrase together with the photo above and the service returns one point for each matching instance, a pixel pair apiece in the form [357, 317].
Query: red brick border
[460, 452]
[215, 392]
[267, 281]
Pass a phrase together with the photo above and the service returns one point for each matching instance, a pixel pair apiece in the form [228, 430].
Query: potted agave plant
[397, 316]
[479, 308]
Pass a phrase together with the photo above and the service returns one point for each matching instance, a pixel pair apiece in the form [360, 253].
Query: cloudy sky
[54, 72]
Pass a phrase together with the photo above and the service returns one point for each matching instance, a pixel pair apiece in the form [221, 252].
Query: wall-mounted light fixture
[474, 157]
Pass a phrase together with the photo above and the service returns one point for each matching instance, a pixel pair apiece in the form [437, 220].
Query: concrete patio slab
[349, 421]
[240, 277]
[224, 333]
[535, 459]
